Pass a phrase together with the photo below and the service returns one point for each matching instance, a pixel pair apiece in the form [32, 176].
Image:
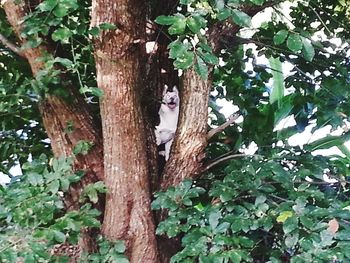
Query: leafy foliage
[33, 206]
[273, 206]
[259, 209]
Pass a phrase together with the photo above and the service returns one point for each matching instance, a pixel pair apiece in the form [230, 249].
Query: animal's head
[171, 97]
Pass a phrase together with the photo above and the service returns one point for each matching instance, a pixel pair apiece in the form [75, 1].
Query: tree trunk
[191, 136]
[57, 113]
[118, 55]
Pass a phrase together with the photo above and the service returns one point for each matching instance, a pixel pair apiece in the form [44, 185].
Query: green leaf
[280, 37]
[214, 219]
[53, 187]
[290, 224]
[47, 5]
[308, 49]
[210, 58]
[59, 236]
[291, 240]
[241, 18]
[82, 147]
[61, 34]
[195, 23]
[107, 26]
[284, 216]
[185, 61]
[61, 10]
[294, 42]
[224, 14]
[235, 256]
[35, 179]
[328, 142]
[201, 68]
[64, 61]
[119, 246]
[179, 26]
[177, 48]
[166, 20]
[278, 81]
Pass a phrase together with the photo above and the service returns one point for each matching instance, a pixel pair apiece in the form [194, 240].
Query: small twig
[220, 160]
[223, 126]
[323, 23]
[10, 46]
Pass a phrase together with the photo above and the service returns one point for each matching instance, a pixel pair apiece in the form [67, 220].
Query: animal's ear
[165, 89]
[175, 90]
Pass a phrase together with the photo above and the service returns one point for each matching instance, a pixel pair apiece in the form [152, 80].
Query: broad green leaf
[290, 224]
[345, 150]
[284, 216]
[177, 49]
[185, 61]
[214, 219]
[201, 68]
[224, 14]
[195, 23]
[308, 49]
[241, 18]
[64, 61]
[119, 246]
[53, 187]
[235, 256]
[35, 179]
[280, 37]
[179, 25]
[47, 5]
[291, 240]
[59, 236]
[107, 26]
[294, 42]
[61, 10]
[328, 142]
[210, 58]
[166, 20]
[278, 88]
[61, 34]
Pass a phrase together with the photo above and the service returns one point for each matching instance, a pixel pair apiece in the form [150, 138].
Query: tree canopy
[79, 101]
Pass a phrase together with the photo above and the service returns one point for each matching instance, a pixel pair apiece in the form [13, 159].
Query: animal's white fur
[168, 114]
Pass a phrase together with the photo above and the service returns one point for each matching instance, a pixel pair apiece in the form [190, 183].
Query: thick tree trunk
[127, 214]
[57, 113]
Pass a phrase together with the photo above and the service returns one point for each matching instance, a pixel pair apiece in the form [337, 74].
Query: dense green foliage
[272, 206]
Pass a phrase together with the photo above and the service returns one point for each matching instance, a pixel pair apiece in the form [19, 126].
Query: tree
[96, 89]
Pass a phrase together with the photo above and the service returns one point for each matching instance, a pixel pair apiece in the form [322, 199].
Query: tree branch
[220, 160]
[223, 126]
[10, 45]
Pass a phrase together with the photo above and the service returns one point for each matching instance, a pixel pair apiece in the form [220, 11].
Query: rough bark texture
[56, 114]
[191, 136]
[127, 215]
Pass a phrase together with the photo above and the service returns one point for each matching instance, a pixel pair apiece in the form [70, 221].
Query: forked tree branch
[10, 45]
[223, 126]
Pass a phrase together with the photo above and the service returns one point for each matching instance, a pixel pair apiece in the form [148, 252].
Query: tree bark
[187, 153]
[118, 55]
[57, 113]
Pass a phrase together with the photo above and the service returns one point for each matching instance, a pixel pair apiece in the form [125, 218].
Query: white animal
[169, 115]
